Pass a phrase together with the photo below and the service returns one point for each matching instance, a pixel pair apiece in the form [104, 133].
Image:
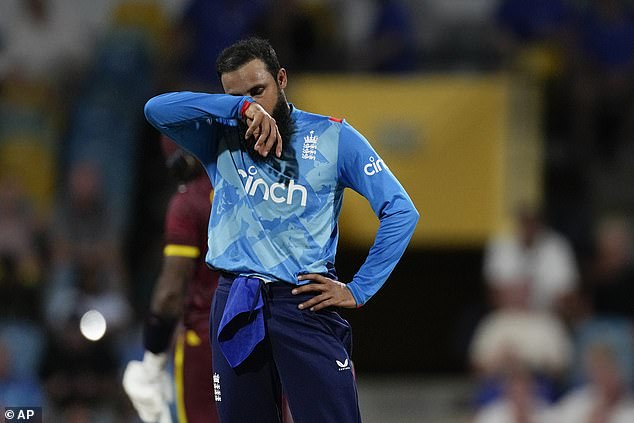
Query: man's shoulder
[312, 126]
[310, 117]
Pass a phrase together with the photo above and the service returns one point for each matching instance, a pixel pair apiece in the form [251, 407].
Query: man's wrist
[356, 294]
[157, 333]
[246, 103]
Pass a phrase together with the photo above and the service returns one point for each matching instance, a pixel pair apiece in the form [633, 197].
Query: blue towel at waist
[242, 324]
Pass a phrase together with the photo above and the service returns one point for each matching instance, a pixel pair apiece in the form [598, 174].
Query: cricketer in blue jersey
[279, 174]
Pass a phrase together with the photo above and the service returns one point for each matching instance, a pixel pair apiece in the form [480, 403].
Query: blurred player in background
[279, 174]
[184, 288]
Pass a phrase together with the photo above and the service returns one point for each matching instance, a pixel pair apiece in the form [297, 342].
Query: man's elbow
[404, 212]
[415, 215]
[155, 110]
[152, 110]
[411, 217]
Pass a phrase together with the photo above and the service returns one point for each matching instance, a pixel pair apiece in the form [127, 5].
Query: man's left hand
[331, 293]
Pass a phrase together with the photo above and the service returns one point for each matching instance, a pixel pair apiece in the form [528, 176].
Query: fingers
[263, 128]
[263, 143]
[269, 138]
[329, 293]
[315, 277]
[315, 303]
[254, 125]
[278, 136]
[311, 287]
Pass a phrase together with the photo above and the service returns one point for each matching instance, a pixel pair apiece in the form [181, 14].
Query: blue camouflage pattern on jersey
[277, 218]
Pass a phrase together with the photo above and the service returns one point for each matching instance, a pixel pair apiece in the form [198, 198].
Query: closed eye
[256, 91]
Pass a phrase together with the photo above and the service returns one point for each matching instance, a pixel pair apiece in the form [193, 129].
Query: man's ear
[281, 78]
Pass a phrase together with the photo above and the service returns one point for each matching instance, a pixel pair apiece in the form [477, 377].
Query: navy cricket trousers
[305, 354]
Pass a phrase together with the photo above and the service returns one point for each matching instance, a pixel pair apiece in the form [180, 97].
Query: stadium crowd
[83, 187]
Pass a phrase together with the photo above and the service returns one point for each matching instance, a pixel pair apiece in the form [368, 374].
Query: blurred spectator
[610, 283]
[517, 336]
[44, 47]
[88, 270]
[354, 23]
[43, 40]
[80, 376]
[106, 124]
[535, 339]
[604, 398]
[530, 274]
[20, 261]
[82, 230]
[138, 30]
[520, 401]
[533, 256]
[596, 330]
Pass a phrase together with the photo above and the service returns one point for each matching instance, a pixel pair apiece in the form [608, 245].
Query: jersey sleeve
[181, 231]
[361, 169]
[192, 119]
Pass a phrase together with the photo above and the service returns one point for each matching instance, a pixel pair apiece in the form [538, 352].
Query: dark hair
[243, 51]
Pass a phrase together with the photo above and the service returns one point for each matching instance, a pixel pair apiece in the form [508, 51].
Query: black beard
[282, 116]
[286, 126]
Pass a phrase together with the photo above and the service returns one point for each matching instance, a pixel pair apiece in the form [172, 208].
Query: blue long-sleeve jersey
[277, 218]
